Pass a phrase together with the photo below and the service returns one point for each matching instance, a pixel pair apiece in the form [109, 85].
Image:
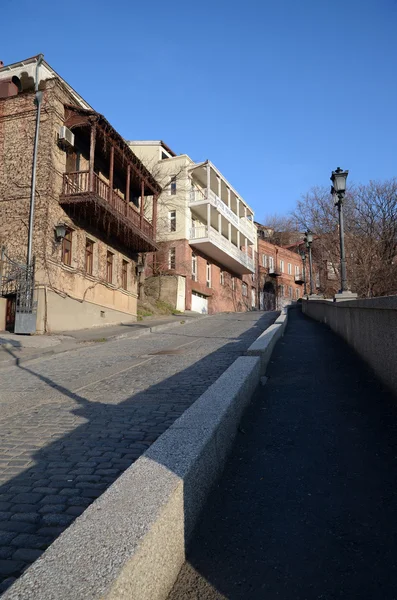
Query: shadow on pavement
[75, 468]
[307, 505]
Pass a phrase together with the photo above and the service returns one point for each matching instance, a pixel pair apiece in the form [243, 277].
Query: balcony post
[219, 188]
[208, 179]
[238, 239]
[127, 188]
[220, 223]
[208, 215]
[111, 172]
[238, 209]
[154, 215]
[228, 197]
[246, 246]
[92, 156]
[229, 231]
[142, 207]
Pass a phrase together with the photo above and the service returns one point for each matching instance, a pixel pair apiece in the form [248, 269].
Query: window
[109, 267]
[271, 263]
[253, 277]
[222, 278]
[290, 291]
[172, 220]
[173, 185]
[289, 269]
[281, 290]
[89, 253]
[282, 266]
[171, 258]
[244, 288]
[194, 267]
[124, 274]
[208, 274]
[67, 248]
[297, 293]
[233, 284]
[264, 260]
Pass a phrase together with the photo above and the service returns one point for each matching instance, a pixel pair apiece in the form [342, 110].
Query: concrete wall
[56, 312]
[169, 288]
[3, 307]
[369, 326]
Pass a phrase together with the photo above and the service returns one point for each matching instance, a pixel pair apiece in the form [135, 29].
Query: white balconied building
[222, 223]
[199, 207]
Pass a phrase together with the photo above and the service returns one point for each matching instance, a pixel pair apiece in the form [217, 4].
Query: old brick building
[89, 223]
[207, 238]
[281, 276]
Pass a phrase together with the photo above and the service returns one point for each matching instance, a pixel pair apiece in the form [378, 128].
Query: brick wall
[222, 297]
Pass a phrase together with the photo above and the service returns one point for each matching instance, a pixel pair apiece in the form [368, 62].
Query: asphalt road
[307, 506]
[72, 423]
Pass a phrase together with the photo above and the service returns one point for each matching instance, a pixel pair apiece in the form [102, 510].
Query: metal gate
[17, 279]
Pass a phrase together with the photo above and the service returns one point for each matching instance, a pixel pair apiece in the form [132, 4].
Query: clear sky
[275, 93]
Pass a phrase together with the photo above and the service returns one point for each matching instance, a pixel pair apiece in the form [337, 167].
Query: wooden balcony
[86, 195]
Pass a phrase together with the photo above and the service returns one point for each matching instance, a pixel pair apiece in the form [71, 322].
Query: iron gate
[17, 279]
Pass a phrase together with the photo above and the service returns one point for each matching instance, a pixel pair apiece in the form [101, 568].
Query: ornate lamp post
[308, 241]
[338, 191]
[303, 257]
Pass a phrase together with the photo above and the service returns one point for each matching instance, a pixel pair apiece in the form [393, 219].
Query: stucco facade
[69, 295]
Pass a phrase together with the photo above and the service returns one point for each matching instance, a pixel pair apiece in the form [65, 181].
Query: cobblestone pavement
[71, 424]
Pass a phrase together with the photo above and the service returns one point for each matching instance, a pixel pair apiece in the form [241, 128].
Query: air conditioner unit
[66, 137]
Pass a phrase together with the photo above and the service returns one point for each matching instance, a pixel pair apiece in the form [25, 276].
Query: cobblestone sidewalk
[71, 424]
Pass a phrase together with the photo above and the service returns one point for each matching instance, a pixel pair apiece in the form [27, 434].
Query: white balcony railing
[246, 227]
[204, 232]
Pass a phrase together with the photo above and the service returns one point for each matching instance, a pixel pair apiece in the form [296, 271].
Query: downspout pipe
[38, 101]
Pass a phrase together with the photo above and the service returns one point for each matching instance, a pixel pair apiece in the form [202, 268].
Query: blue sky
[276, 94]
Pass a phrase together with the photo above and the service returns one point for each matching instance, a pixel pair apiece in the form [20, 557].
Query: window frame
[109, 266]
[222, 277]
[281, 266]
[289, 269]
[244, 289]
[172, 221]
[233, 284]
[172, 258]
[194, 266]
[172, 185]
[67, 251]
[271, 262]
[124, 274]
[208, 274]
[264, 260]
[89, 256]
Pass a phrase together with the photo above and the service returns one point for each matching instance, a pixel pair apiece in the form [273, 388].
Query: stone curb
[5, 364]
[130, 543]
[264, 345]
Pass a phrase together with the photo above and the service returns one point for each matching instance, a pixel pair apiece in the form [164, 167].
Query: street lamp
[338, 191]
[303, 257]
[308, 242]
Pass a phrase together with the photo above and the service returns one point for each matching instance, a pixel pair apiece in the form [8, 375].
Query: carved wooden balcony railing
[80, 188]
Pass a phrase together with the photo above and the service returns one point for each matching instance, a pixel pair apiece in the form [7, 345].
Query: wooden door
[10, 313]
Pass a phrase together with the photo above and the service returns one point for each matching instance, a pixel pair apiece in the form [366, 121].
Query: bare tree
[370, 213]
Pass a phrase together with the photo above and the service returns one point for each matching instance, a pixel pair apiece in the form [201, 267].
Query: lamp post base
[346, 295]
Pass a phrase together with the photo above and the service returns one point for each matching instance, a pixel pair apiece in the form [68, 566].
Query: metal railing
[78, 182]
[204, 232]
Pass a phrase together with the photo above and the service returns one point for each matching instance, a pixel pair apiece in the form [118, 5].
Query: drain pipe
[38, 101]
